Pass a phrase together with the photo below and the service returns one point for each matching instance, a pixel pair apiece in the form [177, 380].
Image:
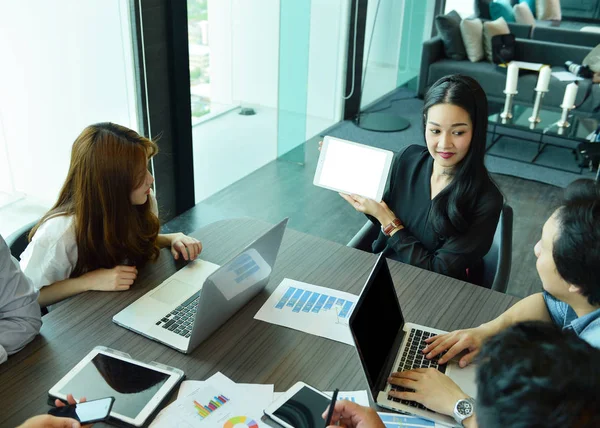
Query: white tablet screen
[132, 386]
[354, 168]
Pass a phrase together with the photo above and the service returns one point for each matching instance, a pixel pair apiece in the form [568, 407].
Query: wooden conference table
[244, 349]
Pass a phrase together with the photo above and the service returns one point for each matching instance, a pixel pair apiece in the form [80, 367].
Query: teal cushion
[531, 4]
[502, 8]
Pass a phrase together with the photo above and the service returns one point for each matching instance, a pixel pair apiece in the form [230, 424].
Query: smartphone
[88, 412]
[302, 406]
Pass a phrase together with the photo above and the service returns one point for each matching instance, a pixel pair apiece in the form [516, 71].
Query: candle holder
[506, 114]
[563, 123]
[535, 115]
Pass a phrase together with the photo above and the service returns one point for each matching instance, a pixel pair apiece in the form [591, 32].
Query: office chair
[496, 263]
[17, 242]
[498, 260]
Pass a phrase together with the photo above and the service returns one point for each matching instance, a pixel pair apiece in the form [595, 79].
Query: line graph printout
[310, 308]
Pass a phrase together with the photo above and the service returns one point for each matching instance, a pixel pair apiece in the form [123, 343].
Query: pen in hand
[331, 407]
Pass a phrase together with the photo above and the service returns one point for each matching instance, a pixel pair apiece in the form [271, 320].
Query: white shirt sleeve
[20, 317]
[153, 203]
[51, 255]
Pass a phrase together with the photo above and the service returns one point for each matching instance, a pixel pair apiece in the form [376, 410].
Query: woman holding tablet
[440, 209]
[105, 223]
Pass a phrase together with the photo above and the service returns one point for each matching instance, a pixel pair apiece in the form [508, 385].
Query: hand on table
[352, 415]
[49, 421]
[188, 247]
[454, 343]
[432, 389]
[119, 278]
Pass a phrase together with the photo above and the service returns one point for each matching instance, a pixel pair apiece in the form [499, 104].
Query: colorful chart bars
[214, 404]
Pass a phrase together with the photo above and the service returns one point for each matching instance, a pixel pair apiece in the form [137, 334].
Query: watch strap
[458, 417]
[390, 227]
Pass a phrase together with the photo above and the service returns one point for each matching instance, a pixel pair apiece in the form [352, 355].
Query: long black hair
[454, 206]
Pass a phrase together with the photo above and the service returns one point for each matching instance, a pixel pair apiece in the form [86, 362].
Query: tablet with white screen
[352, 168]
[138, 387]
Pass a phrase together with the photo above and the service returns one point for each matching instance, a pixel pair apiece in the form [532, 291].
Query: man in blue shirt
[549, 378]
[568, 263]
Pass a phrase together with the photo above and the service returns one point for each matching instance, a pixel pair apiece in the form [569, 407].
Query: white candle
[512, 77]
[570, 94]
[543, 79]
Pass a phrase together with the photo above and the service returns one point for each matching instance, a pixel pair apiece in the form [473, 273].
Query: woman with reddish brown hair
[104, 225]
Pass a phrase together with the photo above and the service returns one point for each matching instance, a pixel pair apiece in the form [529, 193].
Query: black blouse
[408, 195]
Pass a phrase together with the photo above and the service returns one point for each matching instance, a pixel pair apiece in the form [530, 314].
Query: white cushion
[548, 10]
[472, 35]
[491, 29]
[523, 15]
[591, 29]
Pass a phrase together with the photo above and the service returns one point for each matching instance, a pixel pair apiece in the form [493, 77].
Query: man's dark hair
[535, 375]
[576, 249]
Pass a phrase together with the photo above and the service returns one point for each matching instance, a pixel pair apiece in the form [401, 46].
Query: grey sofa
[555, 35]
[434, 65]
[560, 35]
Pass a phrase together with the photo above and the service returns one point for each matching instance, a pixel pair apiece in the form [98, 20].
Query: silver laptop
[396, 346]
[195, 301]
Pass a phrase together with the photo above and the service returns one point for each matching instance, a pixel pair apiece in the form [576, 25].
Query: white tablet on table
[138, 387]
[352, 168]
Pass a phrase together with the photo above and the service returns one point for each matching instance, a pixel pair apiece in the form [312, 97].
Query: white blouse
[51, 255]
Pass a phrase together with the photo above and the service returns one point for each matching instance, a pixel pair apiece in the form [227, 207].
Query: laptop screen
[376, 320]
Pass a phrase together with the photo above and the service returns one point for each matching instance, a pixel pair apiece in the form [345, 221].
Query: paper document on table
[397, 420]
[217, 402]
[306, 307]
[189, 386]
[358, 397]
[566, 76]
[524, 65]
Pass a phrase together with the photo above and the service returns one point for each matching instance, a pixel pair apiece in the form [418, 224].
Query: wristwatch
[393, 225]
[464, 408]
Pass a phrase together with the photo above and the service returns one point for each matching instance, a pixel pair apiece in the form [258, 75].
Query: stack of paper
[309, 308]
[216, 402]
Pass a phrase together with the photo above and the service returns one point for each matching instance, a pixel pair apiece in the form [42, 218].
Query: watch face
[464, 407]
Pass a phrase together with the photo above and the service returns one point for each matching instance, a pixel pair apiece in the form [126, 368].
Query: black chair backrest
[17, 241]
[497, 262]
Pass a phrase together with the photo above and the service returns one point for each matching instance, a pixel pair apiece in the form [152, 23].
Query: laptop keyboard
[413, 358]
[181, 319]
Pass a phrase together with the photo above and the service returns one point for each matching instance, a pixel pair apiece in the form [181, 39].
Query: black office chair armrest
[365, 237]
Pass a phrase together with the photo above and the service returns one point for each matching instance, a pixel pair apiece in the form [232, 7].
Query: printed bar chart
[214, 404]
[391, 420]
[313, 302]
[310, 308]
